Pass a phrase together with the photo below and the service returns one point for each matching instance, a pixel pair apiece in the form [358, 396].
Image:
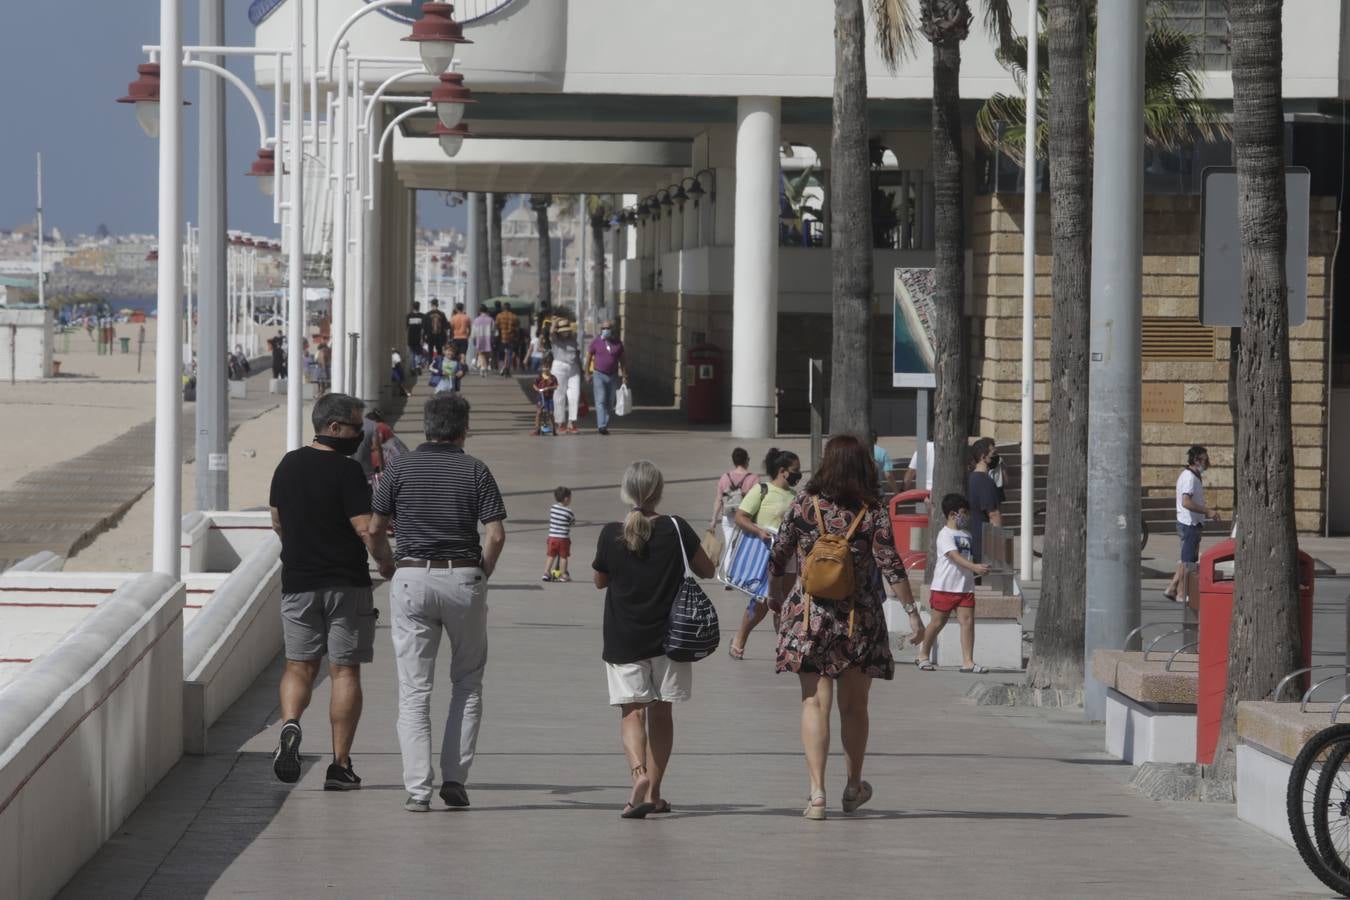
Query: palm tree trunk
[1057, 654]
[540, 203]
[481, 265]
[495, 202]
[1264, 643]
[598, 299]
[851, 244]
[946, 24]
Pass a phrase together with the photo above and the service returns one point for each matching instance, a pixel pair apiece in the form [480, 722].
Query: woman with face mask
[605, 362]
[759, 515]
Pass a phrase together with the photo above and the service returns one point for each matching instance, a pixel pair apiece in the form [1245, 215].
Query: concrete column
[1114, 366]
[212, 481]
[372, 351]
[474, 293]
[755, 283]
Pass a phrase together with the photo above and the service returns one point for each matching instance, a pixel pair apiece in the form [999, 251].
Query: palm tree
[1057, 653]
[1175, 109]
[599, 207]
[495, 203]
[480, 264]
[851, 245]
[1264, 642]
[540, 204]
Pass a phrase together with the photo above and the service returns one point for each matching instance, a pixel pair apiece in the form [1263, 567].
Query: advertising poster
[912, 329]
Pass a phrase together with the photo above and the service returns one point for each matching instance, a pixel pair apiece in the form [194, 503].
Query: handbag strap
[679, 539]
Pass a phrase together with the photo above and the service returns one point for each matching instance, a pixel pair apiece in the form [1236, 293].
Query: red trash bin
[703, 397]
[1216, 615]
[903, 526]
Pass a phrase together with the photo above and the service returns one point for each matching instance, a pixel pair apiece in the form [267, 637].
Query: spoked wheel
[1318, 805]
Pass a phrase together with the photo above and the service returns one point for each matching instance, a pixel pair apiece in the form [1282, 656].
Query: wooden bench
[1150, 709]
[1270, 735]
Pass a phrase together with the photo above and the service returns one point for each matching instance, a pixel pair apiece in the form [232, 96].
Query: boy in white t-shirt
[953, 586]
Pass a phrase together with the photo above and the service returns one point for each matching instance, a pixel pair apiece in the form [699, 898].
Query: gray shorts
[336, 621]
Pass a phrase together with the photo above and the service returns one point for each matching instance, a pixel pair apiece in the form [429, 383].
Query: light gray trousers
[423, 603]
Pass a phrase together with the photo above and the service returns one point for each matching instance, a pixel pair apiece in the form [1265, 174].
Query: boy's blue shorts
[546, 404]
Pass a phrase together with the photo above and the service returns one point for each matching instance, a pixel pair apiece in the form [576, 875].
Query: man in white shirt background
[1191, 515]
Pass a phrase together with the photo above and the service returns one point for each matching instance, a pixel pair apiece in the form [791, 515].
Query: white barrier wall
[29, 332]
[87, 731]
[231, 640]
[38, 608]
[217, 541]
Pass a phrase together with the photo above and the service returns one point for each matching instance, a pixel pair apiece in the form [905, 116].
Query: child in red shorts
[953, 586]
[560, 522]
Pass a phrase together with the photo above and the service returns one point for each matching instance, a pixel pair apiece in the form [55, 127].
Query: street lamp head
[144, 93]
[436, 34]
[264, 168]
[451, 139]
[451, 98]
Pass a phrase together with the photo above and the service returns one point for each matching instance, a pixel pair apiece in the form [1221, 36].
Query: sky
[100, 168]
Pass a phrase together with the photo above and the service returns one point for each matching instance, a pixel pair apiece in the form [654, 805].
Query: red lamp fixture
[264, 168]
[436, 34]
[451, 98]
[144, 93]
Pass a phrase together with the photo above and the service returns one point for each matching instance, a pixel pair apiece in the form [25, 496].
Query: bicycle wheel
[1317, 772]
[1331, 817]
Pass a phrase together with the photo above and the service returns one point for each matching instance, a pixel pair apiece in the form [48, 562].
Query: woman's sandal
[858, 797]
[735, 652]
[976, 669]
[641, 783]
[925, 664]
[660, 807]
[813, 812]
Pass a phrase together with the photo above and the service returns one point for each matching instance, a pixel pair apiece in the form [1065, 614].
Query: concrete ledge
[42, 561]
[1138, 733]
[1147, 681]
[1279, 728]
[85, 733]
[218, 540]
[230, 641]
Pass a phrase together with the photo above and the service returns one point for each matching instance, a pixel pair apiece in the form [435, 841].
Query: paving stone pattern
[63, 507]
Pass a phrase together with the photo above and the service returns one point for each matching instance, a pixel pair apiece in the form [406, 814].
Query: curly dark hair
[847, 473]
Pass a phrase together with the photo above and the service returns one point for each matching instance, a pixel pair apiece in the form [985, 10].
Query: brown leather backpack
[827, 570]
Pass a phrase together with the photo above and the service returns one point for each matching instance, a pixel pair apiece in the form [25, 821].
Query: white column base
[752, 422]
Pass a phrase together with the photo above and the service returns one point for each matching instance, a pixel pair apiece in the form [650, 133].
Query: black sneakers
[340, 778]
[453, 793]
[286, 758]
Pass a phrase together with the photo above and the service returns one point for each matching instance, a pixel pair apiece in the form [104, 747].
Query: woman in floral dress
[845, 644]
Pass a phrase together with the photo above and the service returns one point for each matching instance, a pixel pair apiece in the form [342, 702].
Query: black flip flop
[641, 811]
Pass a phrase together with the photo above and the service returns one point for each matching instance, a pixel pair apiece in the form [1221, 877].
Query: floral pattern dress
[825, 645]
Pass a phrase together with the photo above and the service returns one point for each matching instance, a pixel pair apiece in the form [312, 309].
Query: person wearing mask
[439, 495]
[605, 362]
[758, 516]
[640, 564]
[416, 354]
[838, 647]
[983, 494]
[320, 505]
[1191, 515]
[435, 328]
[567, 369]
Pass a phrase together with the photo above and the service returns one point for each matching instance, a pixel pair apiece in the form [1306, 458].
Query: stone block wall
[1171, 291]
[647, 322]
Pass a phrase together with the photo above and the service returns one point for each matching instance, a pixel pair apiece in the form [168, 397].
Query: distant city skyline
[62, 79]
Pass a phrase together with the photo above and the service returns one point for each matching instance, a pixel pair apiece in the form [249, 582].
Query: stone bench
[1150, 711]
[1270, 735]
[998, 630]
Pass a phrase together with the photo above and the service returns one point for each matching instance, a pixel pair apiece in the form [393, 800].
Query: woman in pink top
[731, 488]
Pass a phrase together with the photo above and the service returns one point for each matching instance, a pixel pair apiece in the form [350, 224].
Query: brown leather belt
[438, 564]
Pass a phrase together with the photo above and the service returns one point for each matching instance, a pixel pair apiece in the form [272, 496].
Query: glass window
[1208, 21]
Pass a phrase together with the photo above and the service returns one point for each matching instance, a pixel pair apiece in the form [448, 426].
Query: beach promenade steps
[64, 506]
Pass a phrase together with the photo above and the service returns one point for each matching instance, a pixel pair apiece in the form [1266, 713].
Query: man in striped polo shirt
[437, 496]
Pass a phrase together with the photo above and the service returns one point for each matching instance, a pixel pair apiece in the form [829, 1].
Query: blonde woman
[639, 563]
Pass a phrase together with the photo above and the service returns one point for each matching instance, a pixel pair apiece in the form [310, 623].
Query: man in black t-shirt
[321, 510]
[983, 494]
[435, 327]
[415, 337]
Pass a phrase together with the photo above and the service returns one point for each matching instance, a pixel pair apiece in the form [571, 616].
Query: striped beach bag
[747, 565]
[692, 631]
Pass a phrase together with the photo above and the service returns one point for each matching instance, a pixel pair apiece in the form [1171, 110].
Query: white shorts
[657, 679]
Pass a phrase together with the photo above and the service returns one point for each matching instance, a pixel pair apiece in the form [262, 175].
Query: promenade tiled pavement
[969, 802]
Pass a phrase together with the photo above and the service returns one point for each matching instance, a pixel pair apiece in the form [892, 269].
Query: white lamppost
[1025, 519]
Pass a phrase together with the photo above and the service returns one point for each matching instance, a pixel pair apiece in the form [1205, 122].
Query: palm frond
[998, 21]
[896, 35]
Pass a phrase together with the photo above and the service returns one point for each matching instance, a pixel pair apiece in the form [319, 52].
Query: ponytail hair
[642, 486]
[776, 460]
